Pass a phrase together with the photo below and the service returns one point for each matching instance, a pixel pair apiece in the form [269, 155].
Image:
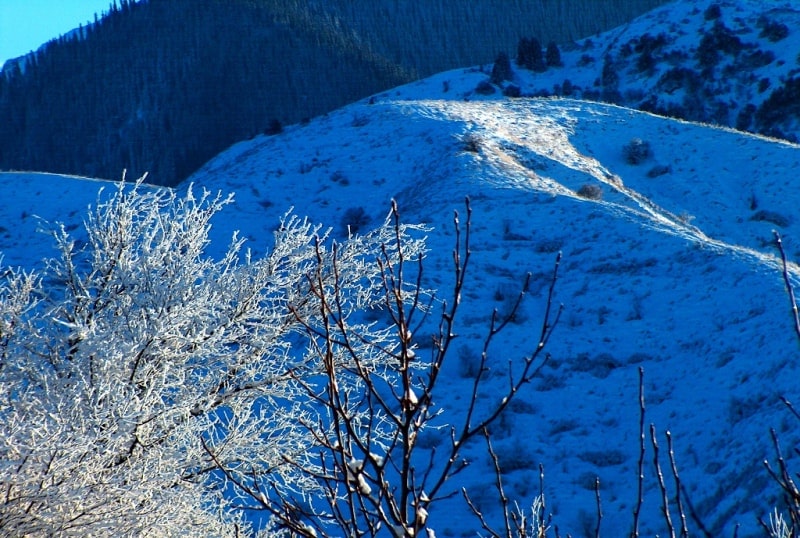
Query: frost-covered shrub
[136, 364]
[636, 151]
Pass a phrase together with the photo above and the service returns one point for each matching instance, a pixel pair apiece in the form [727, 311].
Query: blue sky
[27, 24]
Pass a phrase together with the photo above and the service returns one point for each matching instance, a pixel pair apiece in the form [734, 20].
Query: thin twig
[674, 466]
[541, 496]
[640, 477]
[787, 281]
[599, 508]
[662, 486]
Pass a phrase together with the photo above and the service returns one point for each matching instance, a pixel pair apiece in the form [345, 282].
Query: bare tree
[777, 526]
[373, 408]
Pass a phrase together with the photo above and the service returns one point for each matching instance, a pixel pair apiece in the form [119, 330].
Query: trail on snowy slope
[522, 145]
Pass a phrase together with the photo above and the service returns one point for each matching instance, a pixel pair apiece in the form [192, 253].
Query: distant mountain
[163, 85]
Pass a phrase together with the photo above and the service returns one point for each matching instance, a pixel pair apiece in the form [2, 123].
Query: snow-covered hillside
[668, 264]
[729, 62]
[675, 273]
[33, 205]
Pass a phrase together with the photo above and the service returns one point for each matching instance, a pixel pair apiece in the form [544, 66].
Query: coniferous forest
[160, 86]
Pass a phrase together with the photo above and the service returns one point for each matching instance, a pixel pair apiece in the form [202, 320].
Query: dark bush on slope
[636, 151]
[781, 106]
[720, 40]
[773, 30]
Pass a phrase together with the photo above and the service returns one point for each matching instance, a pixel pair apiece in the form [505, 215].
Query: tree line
[162, 86]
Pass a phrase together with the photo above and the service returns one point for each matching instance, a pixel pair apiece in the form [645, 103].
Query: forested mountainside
[161, 86]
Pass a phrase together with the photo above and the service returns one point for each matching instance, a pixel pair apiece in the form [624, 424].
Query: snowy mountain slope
[672, 269]
[729, 62]
[33, 204]
[674, 273]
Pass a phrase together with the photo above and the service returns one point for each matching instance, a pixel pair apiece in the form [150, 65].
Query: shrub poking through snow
[590, 192]
[773, 217]
[484, 87]
[471, 143]
[355, 219]
[636, 151]
[773, 30]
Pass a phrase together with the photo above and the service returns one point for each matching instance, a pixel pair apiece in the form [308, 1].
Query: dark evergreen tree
[553, 55]
[712, 12]
[530, 55]
[610, 81]
[502, 69]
